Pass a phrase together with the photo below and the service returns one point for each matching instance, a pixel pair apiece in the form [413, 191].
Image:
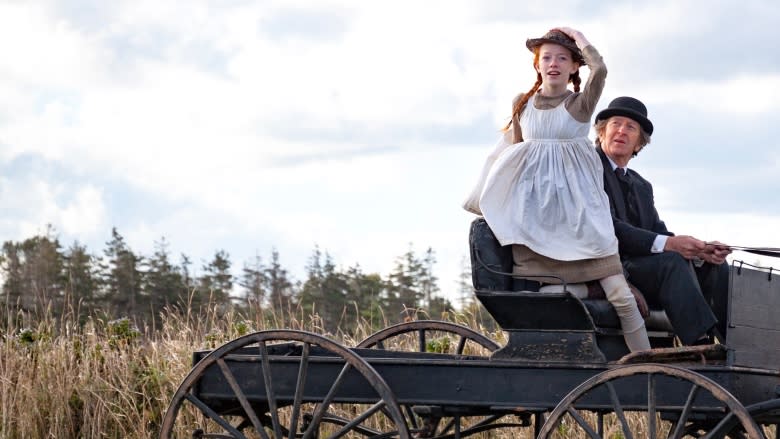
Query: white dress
[547, 192]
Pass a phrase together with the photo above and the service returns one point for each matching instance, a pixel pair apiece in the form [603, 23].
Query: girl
[542, 189]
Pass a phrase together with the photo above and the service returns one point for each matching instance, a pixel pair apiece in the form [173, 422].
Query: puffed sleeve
[582, 106]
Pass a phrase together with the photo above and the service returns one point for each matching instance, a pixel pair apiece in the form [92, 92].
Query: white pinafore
[547, 192]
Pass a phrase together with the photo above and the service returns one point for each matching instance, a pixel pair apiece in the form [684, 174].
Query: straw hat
[559, 38]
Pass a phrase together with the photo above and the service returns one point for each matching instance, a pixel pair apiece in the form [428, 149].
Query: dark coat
[665, 278]
[633, 239]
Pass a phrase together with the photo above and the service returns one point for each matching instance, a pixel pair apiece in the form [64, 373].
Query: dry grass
[60, 379]
[100, 378]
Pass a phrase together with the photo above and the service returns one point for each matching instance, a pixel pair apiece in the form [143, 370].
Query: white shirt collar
[614, 165]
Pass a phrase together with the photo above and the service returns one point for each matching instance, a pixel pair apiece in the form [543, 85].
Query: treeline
[41, 278]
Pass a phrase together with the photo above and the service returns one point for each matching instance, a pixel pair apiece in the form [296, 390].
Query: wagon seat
[537, 322]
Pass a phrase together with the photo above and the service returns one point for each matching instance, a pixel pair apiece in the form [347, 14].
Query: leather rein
[773, 252]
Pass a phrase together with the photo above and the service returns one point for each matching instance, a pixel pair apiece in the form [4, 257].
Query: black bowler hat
[559, 38]
[630, 108]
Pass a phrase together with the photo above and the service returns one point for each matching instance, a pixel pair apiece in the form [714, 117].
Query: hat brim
[643, 121]
[533, 43]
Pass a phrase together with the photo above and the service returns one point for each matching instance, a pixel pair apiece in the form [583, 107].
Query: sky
[358, 127]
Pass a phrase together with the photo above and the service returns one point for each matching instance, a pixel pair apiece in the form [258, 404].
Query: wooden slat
[755, 299]
[754, 318]
[755, 347]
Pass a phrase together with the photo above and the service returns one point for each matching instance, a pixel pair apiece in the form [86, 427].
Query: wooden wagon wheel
[274, 416]
[424, 329]
[434, 336]
[606, 381]
[766, 413]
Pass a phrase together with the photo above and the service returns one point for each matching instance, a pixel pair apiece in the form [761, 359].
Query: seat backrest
[516, 303]
[488, 254]
[486, 251]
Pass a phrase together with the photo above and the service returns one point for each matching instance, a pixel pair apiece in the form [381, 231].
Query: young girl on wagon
[542, 189]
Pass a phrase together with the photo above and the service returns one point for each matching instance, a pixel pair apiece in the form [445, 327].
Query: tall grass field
[99, 378]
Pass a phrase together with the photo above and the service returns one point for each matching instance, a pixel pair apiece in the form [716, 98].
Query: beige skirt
[530, 264]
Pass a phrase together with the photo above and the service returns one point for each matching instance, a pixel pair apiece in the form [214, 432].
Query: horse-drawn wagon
[563, 372]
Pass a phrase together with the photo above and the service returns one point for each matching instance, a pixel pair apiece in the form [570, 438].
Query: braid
[576, 80]
[520, 104]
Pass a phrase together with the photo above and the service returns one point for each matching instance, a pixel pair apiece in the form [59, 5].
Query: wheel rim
[276, 416]
[605, 380]
[766, 413]
[415, 336]
[422, 328]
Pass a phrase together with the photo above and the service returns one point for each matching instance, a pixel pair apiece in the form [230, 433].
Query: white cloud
[33, 203]
[739, 95]
[85, 213]
[242, 133]
[52, 54]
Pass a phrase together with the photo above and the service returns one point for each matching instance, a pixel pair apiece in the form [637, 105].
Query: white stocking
[619, 295]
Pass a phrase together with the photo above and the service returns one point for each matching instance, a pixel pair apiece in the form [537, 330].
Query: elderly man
[655, 260]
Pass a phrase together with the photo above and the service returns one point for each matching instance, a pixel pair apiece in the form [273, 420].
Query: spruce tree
[82, 278]
[254, 282]
[163, 282]
[216, 284]
[122, 279]
[279, 284]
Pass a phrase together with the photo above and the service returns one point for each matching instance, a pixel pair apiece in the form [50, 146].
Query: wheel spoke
[651, 409]
[359, 419]
[269, 390]
[231, 379]
[213, 415]
[583, 423]
[302, 369]
[600, 420]
[619, 411]
[448, 426]
[322, 408]
[362, 429]
[679, 426]
[461, 345]
[412, 418]
[539, 420]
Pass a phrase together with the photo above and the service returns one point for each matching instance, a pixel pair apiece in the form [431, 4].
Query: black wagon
[562, 371]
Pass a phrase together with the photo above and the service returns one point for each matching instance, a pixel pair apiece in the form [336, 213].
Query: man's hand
[688, 246]
[715, 252]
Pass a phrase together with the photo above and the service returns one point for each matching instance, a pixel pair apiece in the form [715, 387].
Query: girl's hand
[576, 35]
